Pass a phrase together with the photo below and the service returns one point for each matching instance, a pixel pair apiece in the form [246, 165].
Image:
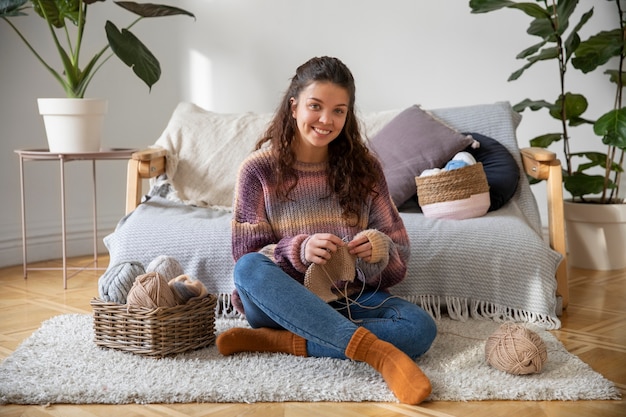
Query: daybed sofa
[497, 266]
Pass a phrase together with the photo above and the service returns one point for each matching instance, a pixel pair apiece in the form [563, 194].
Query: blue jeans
[272, 298]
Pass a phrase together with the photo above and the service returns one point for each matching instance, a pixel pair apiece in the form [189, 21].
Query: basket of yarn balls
[458, 191]
[156, 311]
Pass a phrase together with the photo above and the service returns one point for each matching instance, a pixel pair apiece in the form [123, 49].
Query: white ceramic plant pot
[73, 125]
[596, 235]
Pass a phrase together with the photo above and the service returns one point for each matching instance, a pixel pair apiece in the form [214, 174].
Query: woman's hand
[361, 247]
[320, 247]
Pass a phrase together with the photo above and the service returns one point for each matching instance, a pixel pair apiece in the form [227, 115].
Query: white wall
[238, 56]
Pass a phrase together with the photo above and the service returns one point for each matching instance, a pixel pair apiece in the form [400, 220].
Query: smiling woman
[313, 195]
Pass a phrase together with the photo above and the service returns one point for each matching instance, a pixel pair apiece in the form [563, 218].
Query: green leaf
[134, 54]
[546, 140]
[564, 10]
[48, 10]
[534, 105]
[71, 71]
[572, 42]
[532, 10]
[56, 11]
[596, 159]
[12, 8]
[547, 53]
[515, 75]
[152, 10]
[612, 127]
[573, 104]
[579, 184]
[485, 6]
[577, 121]
[85, 76]
[530, 50]
[598, 49]
[570, 45]
[614, 75]
[542, 27]
[543, 55]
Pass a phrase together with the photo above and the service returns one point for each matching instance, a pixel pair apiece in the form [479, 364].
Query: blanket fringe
[225, 308]
[458, 308]
[462, 309]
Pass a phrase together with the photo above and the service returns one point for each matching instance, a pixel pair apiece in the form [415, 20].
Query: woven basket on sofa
[155, 332]
[456, 194]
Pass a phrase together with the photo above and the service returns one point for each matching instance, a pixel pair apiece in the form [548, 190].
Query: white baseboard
[44, 240]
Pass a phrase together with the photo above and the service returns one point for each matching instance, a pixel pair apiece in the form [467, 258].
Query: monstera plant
[74, 124]
[589, 176]
[67, 19]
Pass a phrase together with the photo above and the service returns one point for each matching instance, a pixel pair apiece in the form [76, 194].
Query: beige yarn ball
[151, 291]
[515, 349]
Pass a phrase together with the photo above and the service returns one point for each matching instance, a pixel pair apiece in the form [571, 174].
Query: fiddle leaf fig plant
[588, 175]
[66, 20]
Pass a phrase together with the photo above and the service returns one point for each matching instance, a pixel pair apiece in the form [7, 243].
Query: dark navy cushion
[500, 168]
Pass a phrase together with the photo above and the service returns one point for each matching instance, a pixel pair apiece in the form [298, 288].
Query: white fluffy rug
[60, 363]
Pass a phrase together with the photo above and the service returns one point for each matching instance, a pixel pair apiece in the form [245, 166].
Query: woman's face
[320, 111]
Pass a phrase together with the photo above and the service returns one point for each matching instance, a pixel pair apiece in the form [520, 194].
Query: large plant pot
[73, 125]
[596, 235]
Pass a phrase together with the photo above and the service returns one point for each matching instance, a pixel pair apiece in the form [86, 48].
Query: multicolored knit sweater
[264, 222]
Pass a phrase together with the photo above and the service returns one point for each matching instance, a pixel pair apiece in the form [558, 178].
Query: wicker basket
[456, 194]
[155, 332]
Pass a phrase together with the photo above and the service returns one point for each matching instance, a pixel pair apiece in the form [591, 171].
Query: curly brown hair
[352, 169]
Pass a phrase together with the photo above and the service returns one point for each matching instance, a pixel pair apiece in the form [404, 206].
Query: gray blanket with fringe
[494, 266]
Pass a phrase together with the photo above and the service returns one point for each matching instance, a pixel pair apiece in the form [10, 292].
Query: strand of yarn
[151, 290]
[515, 349]
[322, 281]
[186, 288]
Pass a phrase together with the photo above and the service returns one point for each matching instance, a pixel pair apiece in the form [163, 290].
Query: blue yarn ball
[117, 280]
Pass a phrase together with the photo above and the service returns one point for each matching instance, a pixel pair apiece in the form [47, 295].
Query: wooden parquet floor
[594, 328]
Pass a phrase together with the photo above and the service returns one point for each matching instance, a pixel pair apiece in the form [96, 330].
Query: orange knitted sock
[400, 372]
[260, 340]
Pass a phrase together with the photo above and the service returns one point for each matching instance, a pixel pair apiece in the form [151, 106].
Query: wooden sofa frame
[538, 163]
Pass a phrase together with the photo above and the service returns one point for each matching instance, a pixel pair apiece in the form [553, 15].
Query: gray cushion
[411, 142]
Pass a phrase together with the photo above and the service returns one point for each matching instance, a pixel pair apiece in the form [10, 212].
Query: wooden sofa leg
[556, 227]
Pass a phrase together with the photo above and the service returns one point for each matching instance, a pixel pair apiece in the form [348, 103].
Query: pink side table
[45, 155]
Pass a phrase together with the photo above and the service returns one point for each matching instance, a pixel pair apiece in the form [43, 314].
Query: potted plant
[592, 178]
[66, 20]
